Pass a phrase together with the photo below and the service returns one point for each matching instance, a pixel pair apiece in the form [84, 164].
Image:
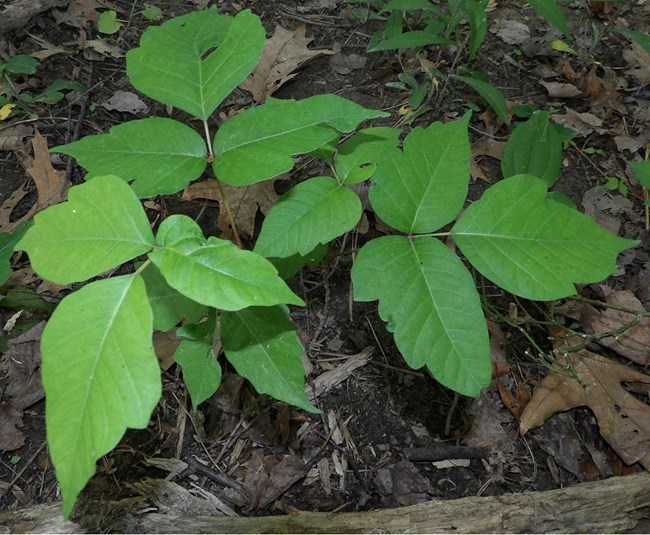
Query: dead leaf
[634, 343]
[488, 416]
[583, 123]
[165, 345]
[631, 143]
[602, 91]
[345, 64]
[11, 438]
[560, 90]
[20, 364]
[639, 61]
[511, 32]
[606, 209]
[47, 48]
[244, 203]
[125, 101]
[11, 137]
[404, 483]
[7, 208]
[267, 478]
[80, 12]
[624, 421]
[283, 55]
[98, 49]
[51, 185]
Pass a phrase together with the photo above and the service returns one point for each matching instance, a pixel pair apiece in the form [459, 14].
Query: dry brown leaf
[634, 343]
[283, 54]
[7, 208]
[560, 90]
[602, 91]
[639, 61]
[267, 477]
[583, 123]
[624, 421]
[11, 137]
[51, 184]
[244, 203]
[11, 438]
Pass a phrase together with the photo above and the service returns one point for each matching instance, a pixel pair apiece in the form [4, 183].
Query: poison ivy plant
[192, 62]
[99, 371]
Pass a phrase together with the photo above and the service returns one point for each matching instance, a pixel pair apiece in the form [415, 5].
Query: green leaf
[21, 64]
[552, 14]
[533, 246]
[201, 371]
[642, 172]
[262, 345]
[218, 274]
[423, 187]
[101, 226]
[7, 243]
[168, 305]
[357, 157]
[429, 300]
[477, 17]
[258, 143]
[412, 39]
[100, 376]
[178, 228]
[108, 22]
[315, 211]
[640, 38]
[161, 156]
[55, 91]
[175, 65]
[20, 297]
[407, 5]
[151, 12]
[289, 266]
[491, 94]
[534, 148]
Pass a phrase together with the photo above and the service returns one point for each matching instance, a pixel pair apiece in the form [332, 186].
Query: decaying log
[17, 13]
[609, 506]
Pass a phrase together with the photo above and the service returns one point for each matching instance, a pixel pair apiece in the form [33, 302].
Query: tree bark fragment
[612, 505]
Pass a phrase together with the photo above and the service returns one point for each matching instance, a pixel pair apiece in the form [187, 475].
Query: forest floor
[387, 435]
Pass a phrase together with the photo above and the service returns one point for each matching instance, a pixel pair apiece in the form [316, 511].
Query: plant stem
[597, 303]
[432, 235]
[231, 219]
[142, 267]
[207, 140]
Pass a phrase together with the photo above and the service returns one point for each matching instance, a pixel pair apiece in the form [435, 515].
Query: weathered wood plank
[609, 506]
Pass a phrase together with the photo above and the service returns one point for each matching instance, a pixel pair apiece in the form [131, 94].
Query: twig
[77, 128]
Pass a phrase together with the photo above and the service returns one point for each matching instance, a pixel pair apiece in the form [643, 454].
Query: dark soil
[359, 453]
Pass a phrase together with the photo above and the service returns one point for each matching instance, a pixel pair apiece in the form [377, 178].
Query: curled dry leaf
[623, 420]
[11, 138]
[560, 90]
[244, 202]
[283, 55]
[51, 184]
[634, 343]
[11, 438]
[125, 101]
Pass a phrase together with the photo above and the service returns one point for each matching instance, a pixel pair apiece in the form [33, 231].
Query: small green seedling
[99, 369]
[11, 95]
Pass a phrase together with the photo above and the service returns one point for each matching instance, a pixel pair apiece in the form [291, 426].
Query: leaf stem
[231, 219]
[142, 267]
[207, 140]
[432, 235]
